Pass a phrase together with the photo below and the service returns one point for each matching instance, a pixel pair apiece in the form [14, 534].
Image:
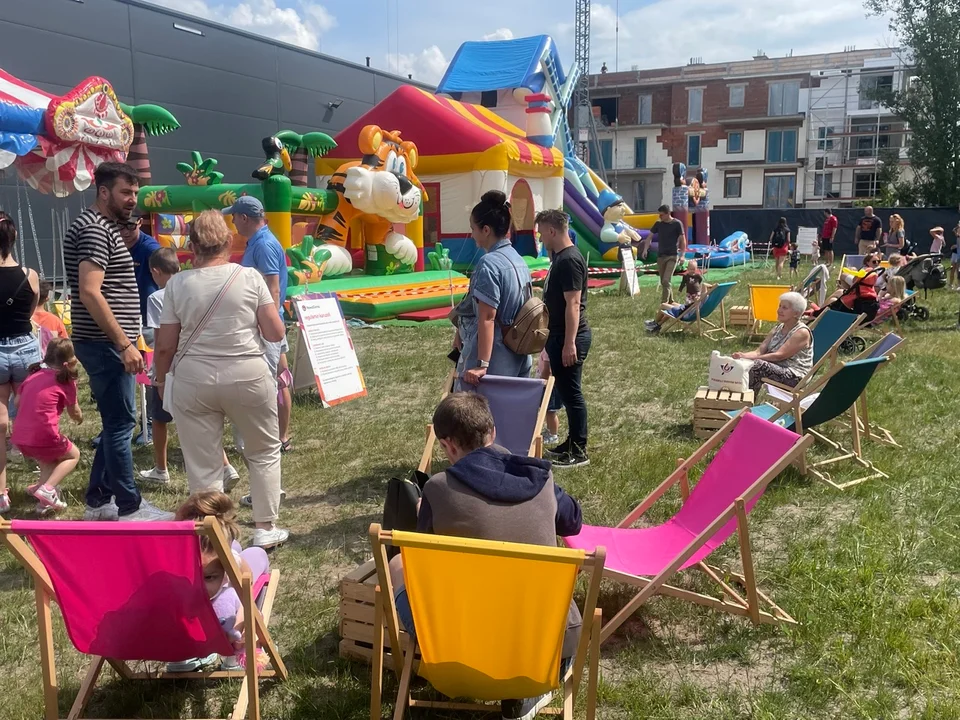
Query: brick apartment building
[749, 124]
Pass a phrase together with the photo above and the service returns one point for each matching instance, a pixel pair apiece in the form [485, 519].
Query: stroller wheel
[850, 345]
[923, 313]
[901, 314]
[860, 343]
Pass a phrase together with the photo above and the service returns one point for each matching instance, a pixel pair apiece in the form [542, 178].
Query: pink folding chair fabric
[129, 591]
[751, 450]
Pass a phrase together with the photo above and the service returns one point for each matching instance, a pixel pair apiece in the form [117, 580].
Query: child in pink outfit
[50, 389]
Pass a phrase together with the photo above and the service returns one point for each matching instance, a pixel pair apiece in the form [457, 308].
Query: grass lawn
[872, 574]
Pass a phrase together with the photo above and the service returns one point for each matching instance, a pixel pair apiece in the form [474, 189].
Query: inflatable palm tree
[301, 148]
[147, 120]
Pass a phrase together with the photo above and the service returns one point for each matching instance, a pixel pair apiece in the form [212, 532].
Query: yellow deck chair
[518, 406]
[490, 619]
[764, 301]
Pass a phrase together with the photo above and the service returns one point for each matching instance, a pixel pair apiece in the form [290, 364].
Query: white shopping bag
[728, 374]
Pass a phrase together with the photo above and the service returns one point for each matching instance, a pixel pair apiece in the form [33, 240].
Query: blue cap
[607, 199]
[245, 205]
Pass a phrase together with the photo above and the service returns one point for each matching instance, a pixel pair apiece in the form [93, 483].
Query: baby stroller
[922, 273]
[854, 343]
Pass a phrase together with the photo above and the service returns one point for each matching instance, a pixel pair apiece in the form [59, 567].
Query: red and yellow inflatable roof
[450, 137]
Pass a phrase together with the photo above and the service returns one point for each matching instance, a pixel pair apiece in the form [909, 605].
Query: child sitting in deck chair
[489, 494]
[692, 283]
[896, 291]
[223, 596]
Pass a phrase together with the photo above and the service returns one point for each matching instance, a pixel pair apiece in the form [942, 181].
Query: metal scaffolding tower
[584, 125]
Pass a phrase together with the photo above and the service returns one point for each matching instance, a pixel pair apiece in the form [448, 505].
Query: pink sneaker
[47, 497]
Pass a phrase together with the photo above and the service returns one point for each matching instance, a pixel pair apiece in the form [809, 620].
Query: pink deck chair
[753, 452]
[135, 592]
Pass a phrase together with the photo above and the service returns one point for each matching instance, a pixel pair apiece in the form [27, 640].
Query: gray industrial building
[227, 88]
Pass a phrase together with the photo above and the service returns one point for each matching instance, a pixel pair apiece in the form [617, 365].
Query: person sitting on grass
[164, 264]
[693, 285]
[50, 388]
[786, 355]
[489, 494]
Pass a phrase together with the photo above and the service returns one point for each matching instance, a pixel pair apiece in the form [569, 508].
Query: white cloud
[426, 66]
[303, 25]
[738, 29]
[499, 34]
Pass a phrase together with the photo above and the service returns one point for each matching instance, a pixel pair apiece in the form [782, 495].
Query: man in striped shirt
[106, 323]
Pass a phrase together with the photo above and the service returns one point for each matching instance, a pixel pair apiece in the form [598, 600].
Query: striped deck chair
[828, 398]
[490, 620]
[695, 316]
[518, 406]
[132, 592]
[749, 454]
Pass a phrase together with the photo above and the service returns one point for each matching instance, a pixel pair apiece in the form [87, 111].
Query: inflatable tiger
[380, 189]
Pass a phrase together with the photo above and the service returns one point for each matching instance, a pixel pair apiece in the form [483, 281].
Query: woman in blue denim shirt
[497, 292]
[19, 349]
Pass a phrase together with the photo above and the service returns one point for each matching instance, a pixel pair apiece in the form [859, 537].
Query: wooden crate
[356, 614]
[710, 406]
[741, 316]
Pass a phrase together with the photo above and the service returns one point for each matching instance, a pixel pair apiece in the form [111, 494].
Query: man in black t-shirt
[568, 341]
[671, 246]
[869, 231]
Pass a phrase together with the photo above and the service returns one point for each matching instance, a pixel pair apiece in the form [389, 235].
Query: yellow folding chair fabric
[764, 301]
[471, 644]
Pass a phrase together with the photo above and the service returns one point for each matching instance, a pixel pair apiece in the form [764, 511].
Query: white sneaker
[549, 438]
[46, 497]
[193, 664]
[230, 478]
[147, 513]
[107, 512]
[230, 662]
[270, 538]
[248, 501]
[155, 476]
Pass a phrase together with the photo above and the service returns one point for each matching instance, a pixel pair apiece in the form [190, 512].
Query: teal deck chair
[828, 398]
[884, 347]
[695, 317]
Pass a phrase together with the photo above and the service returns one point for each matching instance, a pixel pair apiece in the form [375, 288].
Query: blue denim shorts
[555, 404]
[17, 354]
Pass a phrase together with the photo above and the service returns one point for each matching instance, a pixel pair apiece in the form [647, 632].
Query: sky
[419, 37]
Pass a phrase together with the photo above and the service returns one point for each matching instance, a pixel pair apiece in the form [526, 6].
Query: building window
[871, 88]
[823, 184]
[737, 94]
[735, 142]
[779, 191]
[781, 146]
[693, 150]
[784, 98]
[864, 185]
[606, 155]
[608, 108]
[431, 214]
[695, 105]
[824, 141]
[639, 152]
[645, 109]
[732, 183]
[639, 195]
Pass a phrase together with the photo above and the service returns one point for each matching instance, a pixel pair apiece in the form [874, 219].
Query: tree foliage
[929, 30]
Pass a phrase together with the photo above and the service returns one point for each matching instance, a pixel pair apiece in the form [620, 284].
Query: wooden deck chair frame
[248, 699]
[386, 621]
[870, 430]
[855, 452]
[671, 323]
[752, 602]
[829, 359]
[756, 328]
[536, 445]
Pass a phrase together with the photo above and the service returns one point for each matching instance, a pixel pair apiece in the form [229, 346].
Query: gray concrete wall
[228, 89]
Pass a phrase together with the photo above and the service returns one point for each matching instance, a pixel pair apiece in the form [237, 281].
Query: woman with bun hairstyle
[497, 292]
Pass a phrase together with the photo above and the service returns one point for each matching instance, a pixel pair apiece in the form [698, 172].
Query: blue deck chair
[828, 398]
[884, 347]
[518, 406]
[696, 315]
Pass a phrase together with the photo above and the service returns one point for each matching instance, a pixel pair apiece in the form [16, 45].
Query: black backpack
[779, 237]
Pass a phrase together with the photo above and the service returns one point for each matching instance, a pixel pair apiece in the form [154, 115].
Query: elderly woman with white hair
[786, 355]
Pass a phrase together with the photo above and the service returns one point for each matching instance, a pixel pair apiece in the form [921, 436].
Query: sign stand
[325, 354]
[628, 278]
[807, 243]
